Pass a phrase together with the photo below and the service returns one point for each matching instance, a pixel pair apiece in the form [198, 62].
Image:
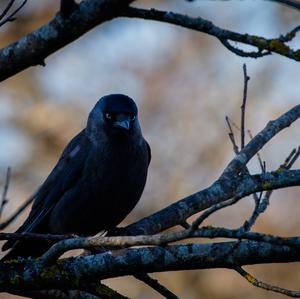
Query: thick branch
[33, 48]
[75, 272]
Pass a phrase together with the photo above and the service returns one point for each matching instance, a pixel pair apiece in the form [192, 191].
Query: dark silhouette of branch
[33, 48]
[254, 54]
[243, 107]
[264, 46]
[4, 18]
[75, 20]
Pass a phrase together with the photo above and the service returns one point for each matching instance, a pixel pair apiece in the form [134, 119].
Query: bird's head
[113, 115]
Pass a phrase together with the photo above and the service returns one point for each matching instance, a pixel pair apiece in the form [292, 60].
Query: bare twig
[22, 208]
[11, 17]
[47, 185]
[231, 136]
[243, 107]
[153, 283]
[289, 163]
[242, 53]
[261, 162]
[260, 284]
[213, 209]
[4, 199]
[6, 9]
[261, 206]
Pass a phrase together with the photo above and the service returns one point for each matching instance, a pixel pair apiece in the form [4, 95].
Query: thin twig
[243, 107]
[262, 205]
[4, 199]
[8, 221]
[231, 136]
[260, 284]
[261, 162]
[239, 52]
[11, 17]
[153, 283]
[212, 210]
[293, 159]
[7, 8]
[47, 185]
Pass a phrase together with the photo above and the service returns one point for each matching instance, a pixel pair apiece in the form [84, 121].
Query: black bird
[97, 181]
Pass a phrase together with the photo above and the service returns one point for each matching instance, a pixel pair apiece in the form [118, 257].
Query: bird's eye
[108, 115]
[132, 117]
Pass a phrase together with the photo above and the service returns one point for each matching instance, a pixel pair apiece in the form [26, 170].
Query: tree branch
[226, 187]
[260, 284]
[19, 211]
[33, 48]
[11, 17]
[265, 46]
[75, 272]
[153, 283]
[243, 107]
[4, 199]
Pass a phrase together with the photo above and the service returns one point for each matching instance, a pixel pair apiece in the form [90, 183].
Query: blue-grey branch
[74, 272]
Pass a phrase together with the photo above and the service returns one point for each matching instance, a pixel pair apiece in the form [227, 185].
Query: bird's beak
[122, 121]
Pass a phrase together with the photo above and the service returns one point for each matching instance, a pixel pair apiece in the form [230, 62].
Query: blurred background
[185, 83]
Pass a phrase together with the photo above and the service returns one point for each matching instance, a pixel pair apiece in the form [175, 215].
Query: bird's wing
[63, 176]
[149, 152]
